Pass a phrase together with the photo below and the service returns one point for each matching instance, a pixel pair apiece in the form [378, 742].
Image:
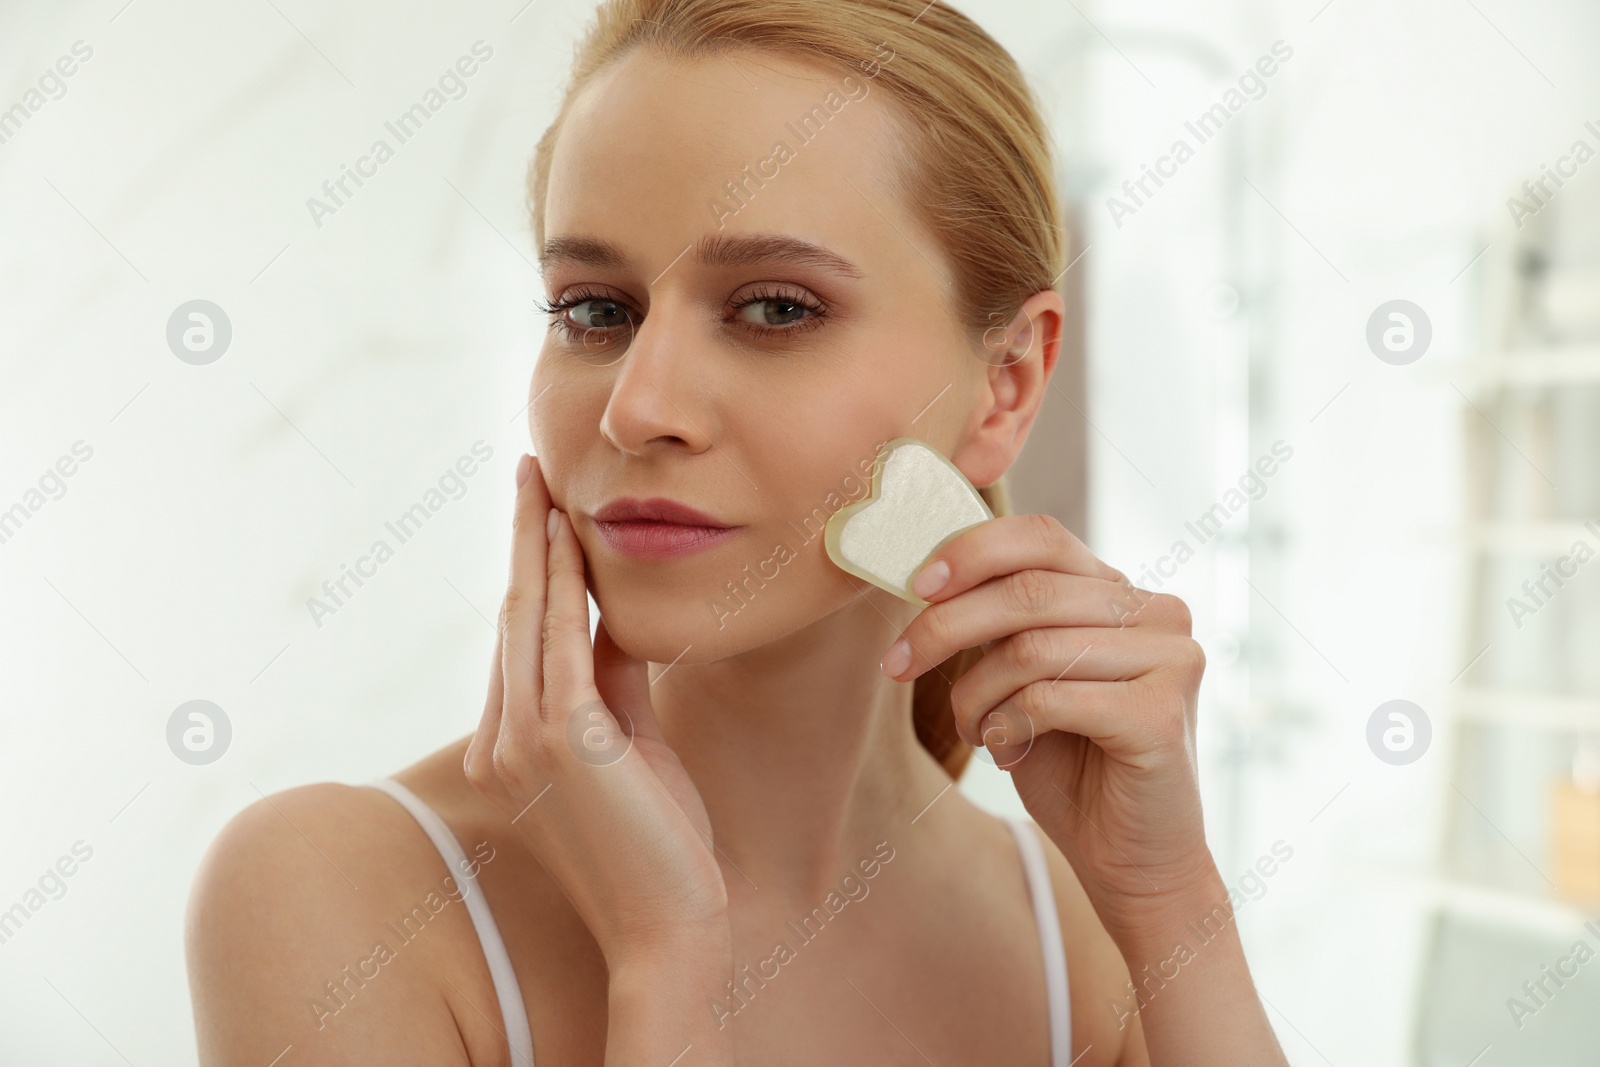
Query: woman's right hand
[606, 808]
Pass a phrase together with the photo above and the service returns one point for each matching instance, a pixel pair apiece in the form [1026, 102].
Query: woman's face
[744, 356]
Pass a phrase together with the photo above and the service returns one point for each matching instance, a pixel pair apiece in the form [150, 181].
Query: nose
[652, 401]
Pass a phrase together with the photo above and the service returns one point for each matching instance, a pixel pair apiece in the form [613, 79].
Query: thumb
[624, 684]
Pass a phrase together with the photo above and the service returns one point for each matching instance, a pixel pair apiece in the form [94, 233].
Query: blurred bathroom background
[1334, 378]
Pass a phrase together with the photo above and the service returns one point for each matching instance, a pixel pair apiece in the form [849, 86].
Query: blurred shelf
[1528, 911]
[1570, 296]
[1525, 368]
[1534, 350]
[1529, 707]
[1532, 538]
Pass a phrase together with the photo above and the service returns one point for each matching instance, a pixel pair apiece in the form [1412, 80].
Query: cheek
[537, 413]
[776, 578]
[563, 421]
[913, 385]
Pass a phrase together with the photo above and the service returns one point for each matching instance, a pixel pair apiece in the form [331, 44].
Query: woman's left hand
[1086, 694]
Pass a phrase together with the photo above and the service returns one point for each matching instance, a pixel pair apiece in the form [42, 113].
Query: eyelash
[817, 312]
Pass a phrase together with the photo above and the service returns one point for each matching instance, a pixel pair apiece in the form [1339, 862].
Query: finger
[568, 655]
[624, 685]
[1005, 544]
[1014, 602]
[1053, 655]
[522, 615]
[480, 749]
[1117, 716]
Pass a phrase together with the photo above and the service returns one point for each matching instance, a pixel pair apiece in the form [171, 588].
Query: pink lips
[658, 528]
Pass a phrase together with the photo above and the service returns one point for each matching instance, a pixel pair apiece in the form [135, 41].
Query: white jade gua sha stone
[919, 500]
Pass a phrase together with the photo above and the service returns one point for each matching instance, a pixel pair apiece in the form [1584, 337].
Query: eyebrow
[713, 250]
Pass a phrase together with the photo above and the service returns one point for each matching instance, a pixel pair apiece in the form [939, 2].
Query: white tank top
[509, 993]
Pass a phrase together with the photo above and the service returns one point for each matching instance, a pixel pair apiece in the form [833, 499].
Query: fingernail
[551, 523]
[524, 468]
[931, 579]
[898, 658]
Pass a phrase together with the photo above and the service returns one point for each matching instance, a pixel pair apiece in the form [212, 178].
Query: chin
[715, 619]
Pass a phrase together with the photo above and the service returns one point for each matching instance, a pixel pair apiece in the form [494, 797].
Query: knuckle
[961, 694]
[1134, 607]
[1033, 647]
[1117, 612]
[549, 707]
[523, 512]
[1029, 592]
[1008, 724]
[477, 773]
[1049, 532]
[930, 631]
[1176, 609]
[1172, 725]
[501, 765]
[1033, 699]
[513, 766]
[1159, 717]
[1193, 656]
[1165, 731]
[550, 629]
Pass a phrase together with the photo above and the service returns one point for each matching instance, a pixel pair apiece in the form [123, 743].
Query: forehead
[656, 154]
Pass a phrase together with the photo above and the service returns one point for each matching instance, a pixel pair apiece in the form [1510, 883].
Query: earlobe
[982, 459]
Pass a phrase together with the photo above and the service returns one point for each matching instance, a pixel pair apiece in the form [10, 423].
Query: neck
[803, 751]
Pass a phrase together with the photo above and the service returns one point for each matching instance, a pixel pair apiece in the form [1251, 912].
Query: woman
[775, 234]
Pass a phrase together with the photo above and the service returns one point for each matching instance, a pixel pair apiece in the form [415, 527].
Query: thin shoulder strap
[512, 1012]
[1048, 924]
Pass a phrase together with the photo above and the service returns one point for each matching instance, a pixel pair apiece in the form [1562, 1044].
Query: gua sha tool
[919, 501]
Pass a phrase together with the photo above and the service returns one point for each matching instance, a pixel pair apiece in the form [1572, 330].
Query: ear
[1017, 362]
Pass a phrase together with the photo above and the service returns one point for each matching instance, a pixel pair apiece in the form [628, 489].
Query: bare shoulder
[302, 932]
[1102, 1007]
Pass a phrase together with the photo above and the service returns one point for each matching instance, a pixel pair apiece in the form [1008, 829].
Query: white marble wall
[373, 346]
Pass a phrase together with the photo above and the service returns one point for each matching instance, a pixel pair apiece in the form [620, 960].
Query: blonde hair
[975, 159]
